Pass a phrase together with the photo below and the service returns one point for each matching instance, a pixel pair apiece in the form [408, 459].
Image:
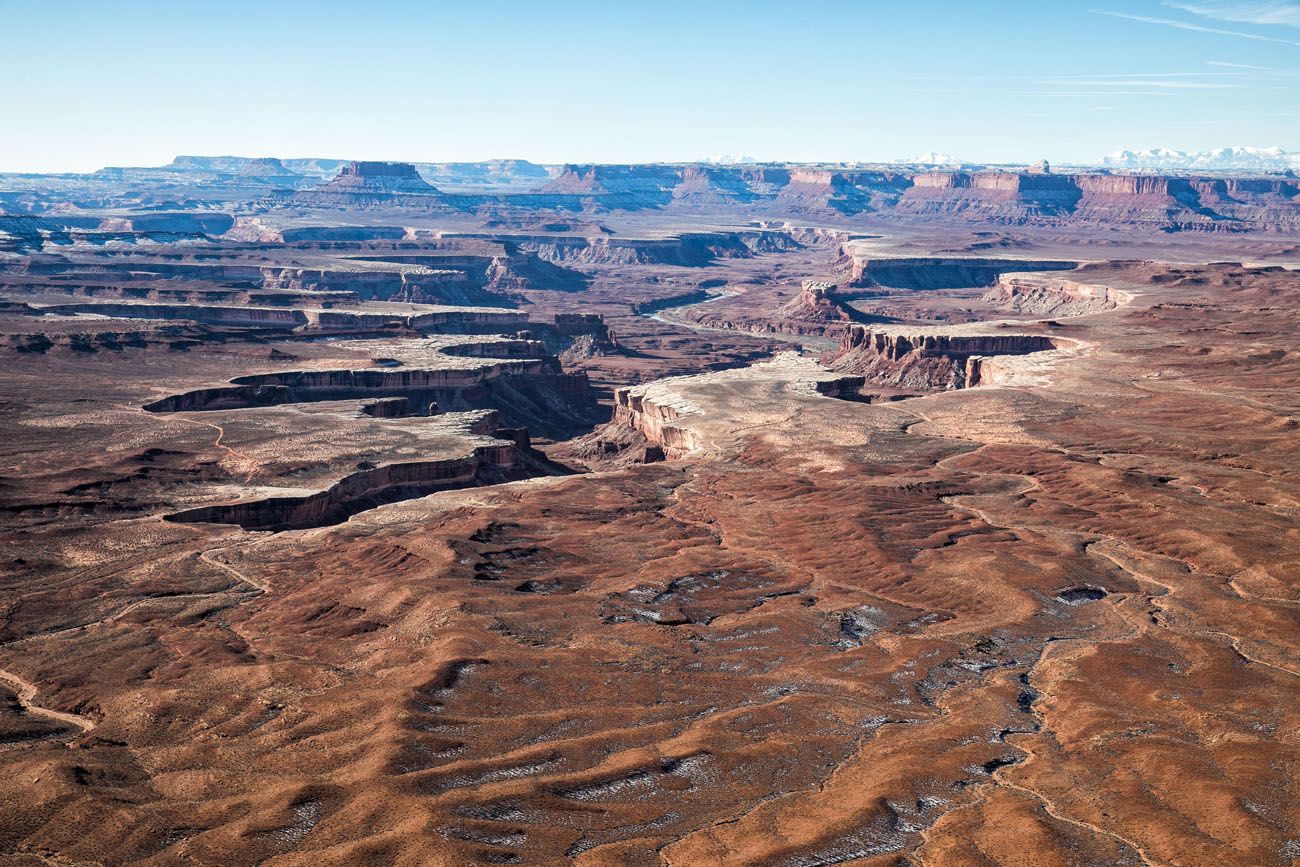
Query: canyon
[457, 513]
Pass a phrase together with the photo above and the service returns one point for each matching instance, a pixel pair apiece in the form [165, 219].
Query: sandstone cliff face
[933, 272]
[487, 464]
[896, 345]
[705, 186]
[654, 421]
[995, 196]
[928, 361]
[1150, 201]
[517, 378]
[109, 337]
[817, 303]
[267, 389]
[1003, 197]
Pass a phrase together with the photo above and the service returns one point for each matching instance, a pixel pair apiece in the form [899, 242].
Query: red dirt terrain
[663, 544]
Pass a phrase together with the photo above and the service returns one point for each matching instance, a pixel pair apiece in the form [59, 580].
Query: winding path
[25, 690]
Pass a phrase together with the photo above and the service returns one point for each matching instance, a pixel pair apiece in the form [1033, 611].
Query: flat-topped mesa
[865, 269]
[694, 249]
[927, 361]
[374, 169]
[448, 320]
[493, 455]
[618, 186]
[373, 183]
[896, 345]
[1159, 201]
[266, 167]
[419, 285]
[519, 378]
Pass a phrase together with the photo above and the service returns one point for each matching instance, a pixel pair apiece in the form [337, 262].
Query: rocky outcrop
[896, 345]
[927, 360]
[709, 187]
[691, 249]
[994, 195]
[617, 186]
[366, 489]
[653, 419]
[391, 177]
[583, 335]
[412, 283]
[818, 302]
[1044, 295]
[267, 168]
[388, 407]
[853, 388]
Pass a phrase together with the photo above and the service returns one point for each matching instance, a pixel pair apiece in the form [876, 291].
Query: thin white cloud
[1197, 28]
[1136, 75]
[1099, 93]
[1238, 65]
[1262, 12]
[1146, 82]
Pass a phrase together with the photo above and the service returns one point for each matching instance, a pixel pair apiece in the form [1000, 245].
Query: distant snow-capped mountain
[933, 158]
[1234, 159]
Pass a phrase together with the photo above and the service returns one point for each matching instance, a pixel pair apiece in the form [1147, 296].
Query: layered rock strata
[493, 463]
[866, 269]
[929, 360]
[1054, 296]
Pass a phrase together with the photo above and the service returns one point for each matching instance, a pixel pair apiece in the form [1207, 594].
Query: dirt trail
[26, 691]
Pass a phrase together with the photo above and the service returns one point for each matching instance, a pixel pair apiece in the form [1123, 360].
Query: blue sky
[134, 83]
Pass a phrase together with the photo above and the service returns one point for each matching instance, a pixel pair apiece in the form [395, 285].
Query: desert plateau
[913, 513]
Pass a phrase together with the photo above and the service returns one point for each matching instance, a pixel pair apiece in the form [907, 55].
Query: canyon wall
[268, 389]
[488, 464]
[636, 411]
[866, 270]
[928, 361]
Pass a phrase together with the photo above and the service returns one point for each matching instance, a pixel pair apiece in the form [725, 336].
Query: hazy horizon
[139, 83]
